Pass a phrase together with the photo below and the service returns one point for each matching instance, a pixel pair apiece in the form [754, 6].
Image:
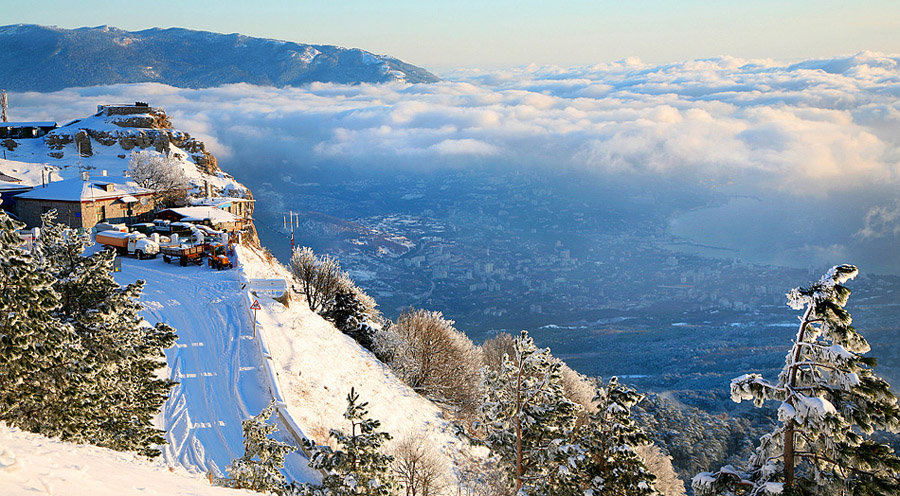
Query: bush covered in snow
[160, 173]
[436, 359]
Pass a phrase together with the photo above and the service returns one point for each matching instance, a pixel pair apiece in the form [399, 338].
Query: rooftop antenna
[4, 104]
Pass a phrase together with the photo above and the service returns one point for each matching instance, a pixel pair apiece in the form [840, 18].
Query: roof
[28, 124]
[9, 179]
[219, 202]
[78, 190]
[14, 187]
[204, 213]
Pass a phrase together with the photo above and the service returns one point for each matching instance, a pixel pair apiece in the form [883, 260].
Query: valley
[588, 266]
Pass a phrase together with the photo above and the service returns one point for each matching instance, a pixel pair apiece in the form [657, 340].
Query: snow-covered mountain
[104, 142]
[42, 58]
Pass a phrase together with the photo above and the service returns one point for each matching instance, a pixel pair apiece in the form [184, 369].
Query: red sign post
[255, 306]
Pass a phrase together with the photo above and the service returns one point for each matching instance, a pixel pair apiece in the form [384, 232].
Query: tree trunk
[789, 462]
[520, 466]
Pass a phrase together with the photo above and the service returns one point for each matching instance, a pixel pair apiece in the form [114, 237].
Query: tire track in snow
[214, 360]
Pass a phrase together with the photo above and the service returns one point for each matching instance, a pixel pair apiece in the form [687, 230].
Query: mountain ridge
[101, 55]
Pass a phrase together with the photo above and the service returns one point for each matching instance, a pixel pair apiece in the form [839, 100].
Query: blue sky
[501, 33]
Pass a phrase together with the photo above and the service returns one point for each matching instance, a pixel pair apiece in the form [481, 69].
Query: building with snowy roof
[84, 203]
[242, 207]
[24, 130]
[10, 187]
[208, 215]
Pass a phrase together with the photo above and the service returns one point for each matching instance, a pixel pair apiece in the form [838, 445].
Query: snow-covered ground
[29, 173]
[32, 465]
[218, 364]
[317, 365]
[215, 360]
[30, 155]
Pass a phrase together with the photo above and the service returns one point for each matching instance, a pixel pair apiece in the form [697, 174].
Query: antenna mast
[3, 105]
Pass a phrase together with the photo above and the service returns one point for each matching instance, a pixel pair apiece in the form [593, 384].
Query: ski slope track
[215, 360]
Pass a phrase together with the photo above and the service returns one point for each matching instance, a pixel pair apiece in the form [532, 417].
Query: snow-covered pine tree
[356, 467]
[259, 469]
[612, 467]
[831, 402]
[351, 317]
[528, 422]
[36, 349]
[119, 392]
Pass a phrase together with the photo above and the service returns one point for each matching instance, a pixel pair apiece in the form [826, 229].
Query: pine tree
[118, 391]
[831, 402]
[351, 317]
[357, 467]
[612, 467]
[529, 423]
[37, 351]
[260, 467]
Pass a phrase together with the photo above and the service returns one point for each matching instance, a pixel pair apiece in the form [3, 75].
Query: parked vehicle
[147, 228]
[136, 244]
[184, 254]
[218, 256]
[106, 226]
[168, 228]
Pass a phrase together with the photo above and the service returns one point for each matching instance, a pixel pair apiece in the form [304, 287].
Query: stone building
[126, 109]
[83, 203]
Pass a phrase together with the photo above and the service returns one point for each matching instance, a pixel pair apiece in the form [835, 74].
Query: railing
[271, 374]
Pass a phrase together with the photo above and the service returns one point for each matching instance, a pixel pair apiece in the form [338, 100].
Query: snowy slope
[31, 464]
[317, 365]
[215, 361]
[58, 151]
[218, 364]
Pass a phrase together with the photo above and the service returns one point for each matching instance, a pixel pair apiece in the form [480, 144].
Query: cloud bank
[811, 128]
[818, 129]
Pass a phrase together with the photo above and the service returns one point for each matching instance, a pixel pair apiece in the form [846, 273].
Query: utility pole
[4, 104]
[293, 219]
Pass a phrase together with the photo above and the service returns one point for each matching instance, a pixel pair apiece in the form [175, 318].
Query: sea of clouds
[813, 140]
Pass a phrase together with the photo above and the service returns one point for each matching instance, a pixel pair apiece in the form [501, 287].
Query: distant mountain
[41, 58]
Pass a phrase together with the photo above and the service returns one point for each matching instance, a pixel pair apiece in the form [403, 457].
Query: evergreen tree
[118, 391]
[37, 351]
[357, 467]
[612, 467]
[831, 402]
[529, 423]
[260, 467]
[351, 317]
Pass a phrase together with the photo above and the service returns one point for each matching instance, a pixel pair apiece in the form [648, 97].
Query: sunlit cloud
[881, 221]
[823, 132]
[809, 128]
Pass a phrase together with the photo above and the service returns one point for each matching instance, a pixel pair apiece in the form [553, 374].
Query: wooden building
[242, 207]
[210, 216]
